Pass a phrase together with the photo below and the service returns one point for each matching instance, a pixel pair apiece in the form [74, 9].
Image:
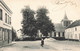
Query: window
[75, 29]
[63, 34]
[66, 23]
[0, 14]
[3, 34]
[5, 18]
[54, 34]
[9, 20]
[59, 34]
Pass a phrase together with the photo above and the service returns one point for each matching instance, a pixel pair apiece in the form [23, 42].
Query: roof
[59, 27]
[75, 23]
[4, 4]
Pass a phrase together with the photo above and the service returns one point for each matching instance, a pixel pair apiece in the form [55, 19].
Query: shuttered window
[59, 34]
[5, 18]
[63, 34]
[9, 20]
[0, 14]
[54, 34]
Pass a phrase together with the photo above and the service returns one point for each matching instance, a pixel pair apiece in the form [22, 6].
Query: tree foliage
[14, 34]
[29, 22]
[44, 24]
[30, 25]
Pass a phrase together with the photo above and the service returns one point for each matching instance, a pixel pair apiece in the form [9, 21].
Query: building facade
[73, 31]
[5, 24]
[60, 28]
[59, 31]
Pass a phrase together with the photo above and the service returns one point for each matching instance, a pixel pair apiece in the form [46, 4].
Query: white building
[5, 24]
[73, 31]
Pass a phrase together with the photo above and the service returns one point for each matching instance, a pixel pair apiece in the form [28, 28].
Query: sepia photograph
[39, 25]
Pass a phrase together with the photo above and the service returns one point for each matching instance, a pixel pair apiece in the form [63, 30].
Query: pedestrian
[42, 42]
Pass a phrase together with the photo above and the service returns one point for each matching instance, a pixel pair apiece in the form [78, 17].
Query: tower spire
[65, 21]
[65, 16]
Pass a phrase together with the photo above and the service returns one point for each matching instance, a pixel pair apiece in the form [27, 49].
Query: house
[60, 28]
[72, 32]
[5, 24]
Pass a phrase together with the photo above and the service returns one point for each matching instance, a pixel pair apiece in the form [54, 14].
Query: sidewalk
[9, 44]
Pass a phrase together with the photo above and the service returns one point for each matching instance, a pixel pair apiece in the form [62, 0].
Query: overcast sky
[56, 9]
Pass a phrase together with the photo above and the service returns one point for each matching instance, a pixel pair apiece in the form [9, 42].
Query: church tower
[65, 22]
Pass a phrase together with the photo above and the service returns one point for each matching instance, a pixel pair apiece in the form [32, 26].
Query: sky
[56, 8]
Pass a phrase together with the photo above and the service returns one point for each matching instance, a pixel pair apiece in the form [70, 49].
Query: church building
[60, 28]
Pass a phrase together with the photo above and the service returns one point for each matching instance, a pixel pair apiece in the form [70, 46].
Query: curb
[6, 45]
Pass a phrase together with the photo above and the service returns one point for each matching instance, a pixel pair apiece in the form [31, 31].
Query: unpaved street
[50, 45]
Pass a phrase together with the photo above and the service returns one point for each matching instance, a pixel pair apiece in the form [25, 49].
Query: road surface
[49, 45]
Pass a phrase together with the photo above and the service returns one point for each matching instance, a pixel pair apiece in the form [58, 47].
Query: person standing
[42, 42]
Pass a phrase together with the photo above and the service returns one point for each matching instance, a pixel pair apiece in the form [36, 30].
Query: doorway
[8, 36]
[79, 37]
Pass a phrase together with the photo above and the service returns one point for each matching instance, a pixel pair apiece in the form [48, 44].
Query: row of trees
[34, 21]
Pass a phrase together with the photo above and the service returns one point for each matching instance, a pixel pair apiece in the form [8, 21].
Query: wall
[71, 33]
[5, 28]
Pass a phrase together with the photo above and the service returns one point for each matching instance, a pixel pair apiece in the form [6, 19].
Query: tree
[14, 34]
[44, 24]
[29, 22]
